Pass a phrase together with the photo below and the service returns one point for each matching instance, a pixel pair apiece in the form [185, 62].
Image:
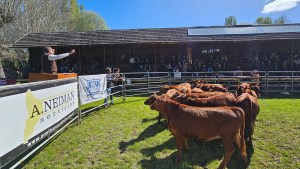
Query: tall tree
[81, 20]
[263, 20]
[90, 21]
[230, 21]
[9, 11]
[20, 17]
[74, 15]
[282, 20]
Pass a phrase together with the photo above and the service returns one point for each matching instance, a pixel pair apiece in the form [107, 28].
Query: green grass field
[127, 135]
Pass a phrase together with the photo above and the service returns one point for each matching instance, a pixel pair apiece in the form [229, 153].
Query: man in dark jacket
[48, 59]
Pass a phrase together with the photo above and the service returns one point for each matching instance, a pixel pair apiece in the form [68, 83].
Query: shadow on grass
[199, 154]
[145, 120]
[151, 131]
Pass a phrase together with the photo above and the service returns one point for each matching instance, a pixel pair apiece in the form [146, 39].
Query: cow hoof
[250, 143]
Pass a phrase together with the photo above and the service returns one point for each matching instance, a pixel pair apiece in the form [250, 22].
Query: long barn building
[262, 47]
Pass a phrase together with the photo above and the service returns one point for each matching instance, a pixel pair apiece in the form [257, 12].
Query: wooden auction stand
[49, 76]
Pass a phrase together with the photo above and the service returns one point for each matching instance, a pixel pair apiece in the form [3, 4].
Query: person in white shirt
[48, 59]
[177, 74]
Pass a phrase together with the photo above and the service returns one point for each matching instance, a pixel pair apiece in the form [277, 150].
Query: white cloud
[279, 5]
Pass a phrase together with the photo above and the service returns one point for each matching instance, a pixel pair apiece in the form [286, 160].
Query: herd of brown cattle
[208, 112]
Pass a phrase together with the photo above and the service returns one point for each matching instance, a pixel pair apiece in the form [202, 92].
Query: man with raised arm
[48, 59]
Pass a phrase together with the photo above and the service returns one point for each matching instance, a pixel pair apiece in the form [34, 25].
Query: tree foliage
[282, 20]
[89, 21]
[81, 20]
[264, 20]
[267, 20]
[20, 17]
[230, 21]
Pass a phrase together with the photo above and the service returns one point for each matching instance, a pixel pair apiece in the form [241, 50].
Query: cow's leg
[251, 132]
[247, 129]
[159, 117]
[229, 149]
[237, 140]
[186, 144]
[242, 148]
[179, 142]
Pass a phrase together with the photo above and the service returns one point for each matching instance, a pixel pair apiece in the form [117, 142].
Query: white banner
[92, 88]
[34, 114]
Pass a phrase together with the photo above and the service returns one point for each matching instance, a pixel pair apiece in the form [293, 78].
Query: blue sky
[131, 14]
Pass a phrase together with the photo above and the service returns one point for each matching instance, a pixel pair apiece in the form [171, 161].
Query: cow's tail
[242, 141]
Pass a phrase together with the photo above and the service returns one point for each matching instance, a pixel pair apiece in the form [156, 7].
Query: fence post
[216, 76]
[292, 81]
[267, 82]
[192, 76]
[123, 88]
[79, 103]
[169, 78]
[148, 82]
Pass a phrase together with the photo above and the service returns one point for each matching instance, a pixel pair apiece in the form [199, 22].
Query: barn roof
[161, 35]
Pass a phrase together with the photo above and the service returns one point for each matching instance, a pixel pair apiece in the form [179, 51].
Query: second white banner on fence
[92, 88]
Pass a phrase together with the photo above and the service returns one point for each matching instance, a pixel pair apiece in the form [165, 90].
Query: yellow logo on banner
[34, 109]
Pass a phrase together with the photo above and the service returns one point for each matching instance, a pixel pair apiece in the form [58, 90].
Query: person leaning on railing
[255, 76]
[118, 80]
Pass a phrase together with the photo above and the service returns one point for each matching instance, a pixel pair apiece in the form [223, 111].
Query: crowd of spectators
[209, 62]
[140, 64]
[195, 64]
[204, 61]
[68, 67]
[267, 61]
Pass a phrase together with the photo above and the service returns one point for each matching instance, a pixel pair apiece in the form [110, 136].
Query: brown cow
[172, 93]
[210, 87]
[205, 123]
[213, 87]
[227, 99]
[204, 94]
[251, 108]
[253, 90]
[197, 90]
[183, 88]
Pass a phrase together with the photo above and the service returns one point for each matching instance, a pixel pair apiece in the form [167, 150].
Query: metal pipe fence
[141, 83]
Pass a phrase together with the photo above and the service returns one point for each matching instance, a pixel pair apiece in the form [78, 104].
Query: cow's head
[204, 87]
[172, 93]
[243, 88]
[151, 99]
[182, 98]
[158, 105]
[164, 89]
[198, 81]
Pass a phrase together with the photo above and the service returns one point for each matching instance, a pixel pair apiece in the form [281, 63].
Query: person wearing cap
[48, 59]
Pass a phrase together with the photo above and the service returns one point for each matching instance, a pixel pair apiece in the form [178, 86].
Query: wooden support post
[155, 57]
[104, 61]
